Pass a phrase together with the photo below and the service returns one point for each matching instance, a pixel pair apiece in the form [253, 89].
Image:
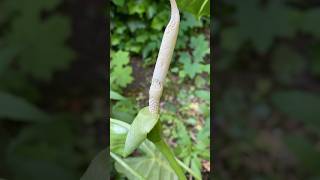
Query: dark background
[53, 87]
[266, 89]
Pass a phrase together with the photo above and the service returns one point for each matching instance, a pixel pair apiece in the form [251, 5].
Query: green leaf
[198, 8]
[188, 22]
[200, 47]
[119, 58]
[299, 105]
[183, 135]
[152, 165]
[160, 20]
[274, 14]
[203, 94]
[120, 70]
[151, 157]
[125, 110]
[118, 134]
[196, 166]
[99, 168]
[41, 44]
[135, 25]
[191, 69]
[140, 127]
[18, 109]
[118, 2]
[137, 7]
[116, 96]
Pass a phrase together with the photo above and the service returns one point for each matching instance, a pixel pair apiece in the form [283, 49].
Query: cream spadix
[164, 58]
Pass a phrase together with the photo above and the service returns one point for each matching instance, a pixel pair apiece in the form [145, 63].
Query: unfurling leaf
[140, 127]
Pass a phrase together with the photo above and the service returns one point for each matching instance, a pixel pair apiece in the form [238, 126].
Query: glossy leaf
[118, 134]
[198, 8]
[152, 157]
[152, 166]
[140, 127]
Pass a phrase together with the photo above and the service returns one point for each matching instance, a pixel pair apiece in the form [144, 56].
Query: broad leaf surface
[197, 7]
[152, 157]
[118, 134]
[152, 165]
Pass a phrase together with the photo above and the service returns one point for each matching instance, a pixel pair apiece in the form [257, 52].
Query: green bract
[140, 127]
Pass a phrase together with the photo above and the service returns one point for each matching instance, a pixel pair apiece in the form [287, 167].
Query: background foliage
[46, 106]
[136, 31]
[267, 89]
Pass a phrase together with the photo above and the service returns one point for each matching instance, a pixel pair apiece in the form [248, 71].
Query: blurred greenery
[137, 28]
[267, 89]
[49, 122]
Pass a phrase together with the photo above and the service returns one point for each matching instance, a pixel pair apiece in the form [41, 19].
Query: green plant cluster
[136, 31]
[267, 64]
[36, 144]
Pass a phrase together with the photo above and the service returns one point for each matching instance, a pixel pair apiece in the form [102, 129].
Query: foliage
[143, 123]
[40, 48]
[138, 164]
[37, 129]
[266, 55]
[196, 7]
[195, 64]
[275, 14]
[120, 71]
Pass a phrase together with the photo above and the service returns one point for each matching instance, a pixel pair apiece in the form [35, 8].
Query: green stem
[155, 137]
[188, 169]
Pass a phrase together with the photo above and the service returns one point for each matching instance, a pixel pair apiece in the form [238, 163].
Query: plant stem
[156, 138]
[165, 150]
[188, 169]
